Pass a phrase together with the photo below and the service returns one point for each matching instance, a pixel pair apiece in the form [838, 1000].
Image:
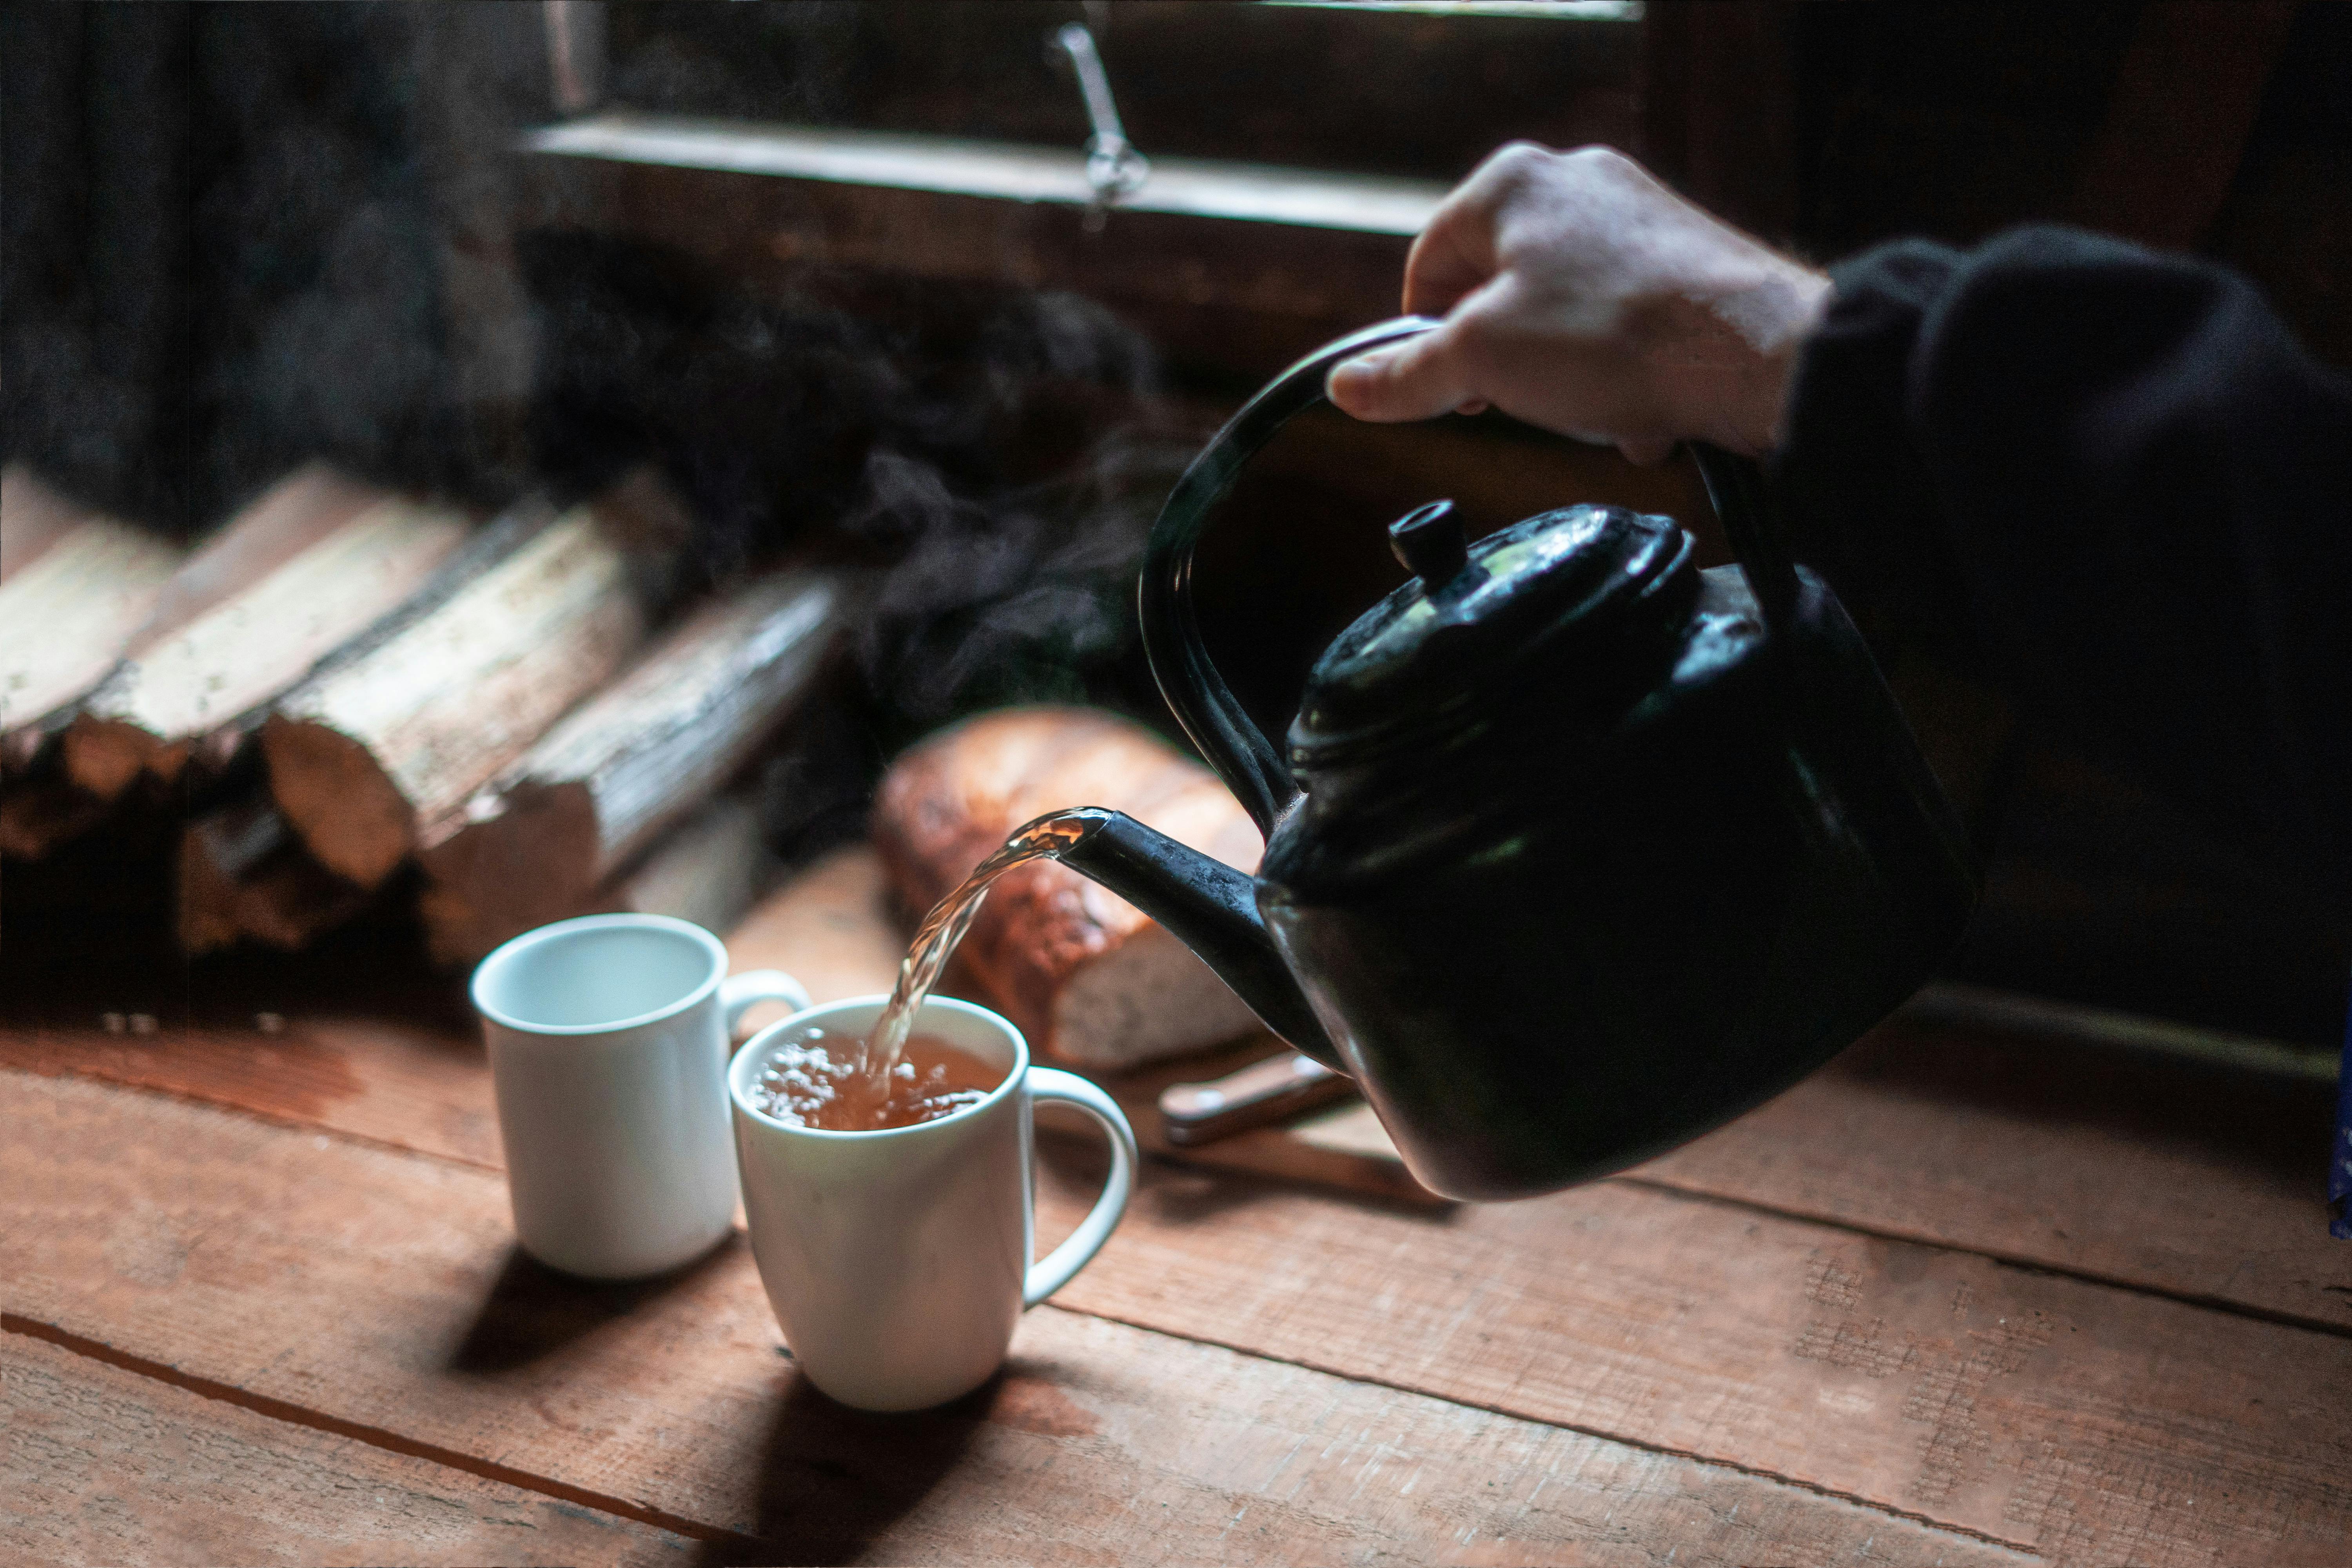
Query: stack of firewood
[350, 682]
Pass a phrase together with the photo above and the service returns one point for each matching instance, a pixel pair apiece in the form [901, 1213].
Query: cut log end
[105, 755]
[350, 814]
[206, 898]
[530, 863]
[243, 876]
[36, 817]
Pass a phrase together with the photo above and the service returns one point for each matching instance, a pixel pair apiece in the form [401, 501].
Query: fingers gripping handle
[1057, 1267]
[738, 993]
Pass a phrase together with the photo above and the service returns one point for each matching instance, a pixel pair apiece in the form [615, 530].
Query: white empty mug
[897, 1261]
[608, 1039]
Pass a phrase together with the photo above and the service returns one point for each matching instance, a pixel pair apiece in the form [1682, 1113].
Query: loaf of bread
[1085, 975]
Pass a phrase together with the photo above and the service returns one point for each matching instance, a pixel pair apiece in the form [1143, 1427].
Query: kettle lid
[1558, 591]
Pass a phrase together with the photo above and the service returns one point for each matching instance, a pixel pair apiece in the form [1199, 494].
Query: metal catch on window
[1114, 168]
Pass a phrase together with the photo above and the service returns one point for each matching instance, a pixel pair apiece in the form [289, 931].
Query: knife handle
[1271, 1091]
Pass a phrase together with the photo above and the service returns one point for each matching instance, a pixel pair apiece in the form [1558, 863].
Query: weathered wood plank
[312, 564]
[2090, 1423]
[2194, 1180]
[365, 757]
[102, 1467]
[411, 1088]
[2159, 1174]
[591, 795]
[380, 1289]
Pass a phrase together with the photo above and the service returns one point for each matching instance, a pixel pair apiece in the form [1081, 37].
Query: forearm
[2115, 478]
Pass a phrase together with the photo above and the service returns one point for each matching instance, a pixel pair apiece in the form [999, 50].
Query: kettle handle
[1250, 764]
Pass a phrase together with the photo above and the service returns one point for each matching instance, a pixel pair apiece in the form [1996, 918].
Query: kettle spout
[1210, 908]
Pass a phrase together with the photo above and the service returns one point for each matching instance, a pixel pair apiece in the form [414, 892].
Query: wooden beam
[364, 758]
[111, 1465]
[143, 1224]
[538, 842]
[306, 567]
[2085, 1423]
[1194, 188]
[1238, 292]
[2177, 1184]
[1422, 91]
[76, 589]
[2164, 1176]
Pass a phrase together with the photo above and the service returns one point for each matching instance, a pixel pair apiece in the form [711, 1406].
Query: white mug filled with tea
[608, 1037]
[891, 1203]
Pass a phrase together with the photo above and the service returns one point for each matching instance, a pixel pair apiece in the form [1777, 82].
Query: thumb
[1420, 378]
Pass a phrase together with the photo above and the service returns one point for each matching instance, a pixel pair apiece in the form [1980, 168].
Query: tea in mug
[813, 1078]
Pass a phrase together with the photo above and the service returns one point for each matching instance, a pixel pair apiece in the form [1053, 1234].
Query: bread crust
[1083, 972]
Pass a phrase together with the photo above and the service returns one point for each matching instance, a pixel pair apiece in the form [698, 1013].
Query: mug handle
[738, 992]
[1055, 1269]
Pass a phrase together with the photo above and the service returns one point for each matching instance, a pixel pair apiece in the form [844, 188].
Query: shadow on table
[832, 1480]
[2256, 1121]
[1070, 1171]
[533, 1310]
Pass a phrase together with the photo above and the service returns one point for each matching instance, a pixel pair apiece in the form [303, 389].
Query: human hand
[1581, 295]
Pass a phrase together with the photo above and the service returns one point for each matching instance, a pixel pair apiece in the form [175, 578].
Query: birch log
[710, 868]
[537, 842]
[312, 564]
[33, 517]
[243, 875]
[75, 587]
[364, 758]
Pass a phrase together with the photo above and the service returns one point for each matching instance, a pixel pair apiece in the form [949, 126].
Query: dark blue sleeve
[2113, 481]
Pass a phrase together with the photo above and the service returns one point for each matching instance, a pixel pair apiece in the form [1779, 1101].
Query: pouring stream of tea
[1049, 837]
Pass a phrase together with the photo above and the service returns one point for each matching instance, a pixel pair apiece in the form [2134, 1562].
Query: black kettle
[1575, 850]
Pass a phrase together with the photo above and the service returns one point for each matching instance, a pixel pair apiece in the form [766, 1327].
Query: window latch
[1114, 168]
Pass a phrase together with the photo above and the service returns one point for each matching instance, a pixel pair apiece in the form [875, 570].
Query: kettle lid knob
[1430, 543]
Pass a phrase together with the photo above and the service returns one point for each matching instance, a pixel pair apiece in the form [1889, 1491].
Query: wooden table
[1958, 1300]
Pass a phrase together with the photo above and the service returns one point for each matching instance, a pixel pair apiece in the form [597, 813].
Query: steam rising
[998, 456]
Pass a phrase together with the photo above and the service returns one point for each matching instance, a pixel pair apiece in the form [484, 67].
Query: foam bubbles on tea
[815, 1079]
